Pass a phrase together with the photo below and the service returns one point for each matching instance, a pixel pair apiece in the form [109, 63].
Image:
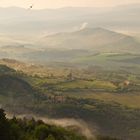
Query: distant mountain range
[19, 20]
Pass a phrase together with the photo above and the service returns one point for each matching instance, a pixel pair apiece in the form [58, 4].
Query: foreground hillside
[107, 101]
[30, 129]
[17, 129]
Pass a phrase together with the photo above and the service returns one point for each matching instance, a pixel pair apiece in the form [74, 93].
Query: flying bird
[31, 6]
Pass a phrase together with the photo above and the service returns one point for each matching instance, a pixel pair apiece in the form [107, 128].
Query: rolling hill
[5, 69]
[17, 96]
[85, 44]
[95, 39]
[13, 84]
[14, 89]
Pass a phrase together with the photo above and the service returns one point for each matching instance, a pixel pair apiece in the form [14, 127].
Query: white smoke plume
[81, 27]
[84, 25]
[78, 124]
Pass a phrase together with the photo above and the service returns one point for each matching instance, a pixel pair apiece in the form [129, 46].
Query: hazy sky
[64, 3]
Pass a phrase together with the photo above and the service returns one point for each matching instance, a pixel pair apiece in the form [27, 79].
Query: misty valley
[70, 73]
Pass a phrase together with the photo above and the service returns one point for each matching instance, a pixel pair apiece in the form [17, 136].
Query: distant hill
[13, 84]
[12, 63]
[15, 91]
[19, 20]
[95, 39]
[15, 51]
[66, 46]
[5, 69]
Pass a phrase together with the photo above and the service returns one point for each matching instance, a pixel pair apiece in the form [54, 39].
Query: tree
[50, 137]
[4, 126]
[41, 132]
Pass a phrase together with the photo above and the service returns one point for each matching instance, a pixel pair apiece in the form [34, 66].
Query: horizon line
[63, 7]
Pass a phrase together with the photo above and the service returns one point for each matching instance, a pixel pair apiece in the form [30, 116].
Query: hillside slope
[95, 39]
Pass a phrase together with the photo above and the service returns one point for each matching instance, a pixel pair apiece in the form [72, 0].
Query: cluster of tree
[25, 129]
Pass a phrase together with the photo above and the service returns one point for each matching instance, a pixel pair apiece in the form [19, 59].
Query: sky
[41, 4]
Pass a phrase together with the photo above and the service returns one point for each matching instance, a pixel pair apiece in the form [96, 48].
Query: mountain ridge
[92, 38]
[20, 20]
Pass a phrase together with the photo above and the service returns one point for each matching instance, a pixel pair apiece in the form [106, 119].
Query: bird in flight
[31, 6]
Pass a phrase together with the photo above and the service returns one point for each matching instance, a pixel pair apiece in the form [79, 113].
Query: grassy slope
[129, 100]
[104, 57]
